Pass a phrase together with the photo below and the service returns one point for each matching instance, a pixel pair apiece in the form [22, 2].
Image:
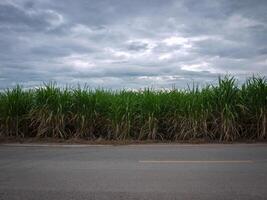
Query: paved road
[161, 172]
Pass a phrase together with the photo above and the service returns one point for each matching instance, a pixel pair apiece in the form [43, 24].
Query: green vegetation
[224, 112]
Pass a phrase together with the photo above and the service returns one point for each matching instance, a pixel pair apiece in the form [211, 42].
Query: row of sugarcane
[225, 111]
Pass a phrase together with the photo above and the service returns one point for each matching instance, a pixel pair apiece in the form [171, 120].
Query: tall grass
[225, 112]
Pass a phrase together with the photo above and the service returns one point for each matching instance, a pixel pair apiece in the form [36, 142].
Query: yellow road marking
[196, 161]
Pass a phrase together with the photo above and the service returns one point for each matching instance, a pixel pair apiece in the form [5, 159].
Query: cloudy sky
[130, 43]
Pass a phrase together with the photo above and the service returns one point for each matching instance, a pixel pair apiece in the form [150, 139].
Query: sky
[118, 44]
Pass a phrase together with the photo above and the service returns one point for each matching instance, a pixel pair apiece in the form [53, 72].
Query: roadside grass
[221, 112]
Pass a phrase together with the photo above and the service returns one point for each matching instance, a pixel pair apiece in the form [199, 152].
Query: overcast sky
[130, 43]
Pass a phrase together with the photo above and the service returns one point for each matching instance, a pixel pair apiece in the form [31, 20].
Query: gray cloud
[130, 44]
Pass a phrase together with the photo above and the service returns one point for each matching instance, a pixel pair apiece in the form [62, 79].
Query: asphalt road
[237, 171]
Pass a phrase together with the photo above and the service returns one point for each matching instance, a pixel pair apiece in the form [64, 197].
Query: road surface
[208, 171]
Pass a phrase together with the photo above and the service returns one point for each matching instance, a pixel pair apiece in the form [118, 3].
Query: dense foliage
[224, 112]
